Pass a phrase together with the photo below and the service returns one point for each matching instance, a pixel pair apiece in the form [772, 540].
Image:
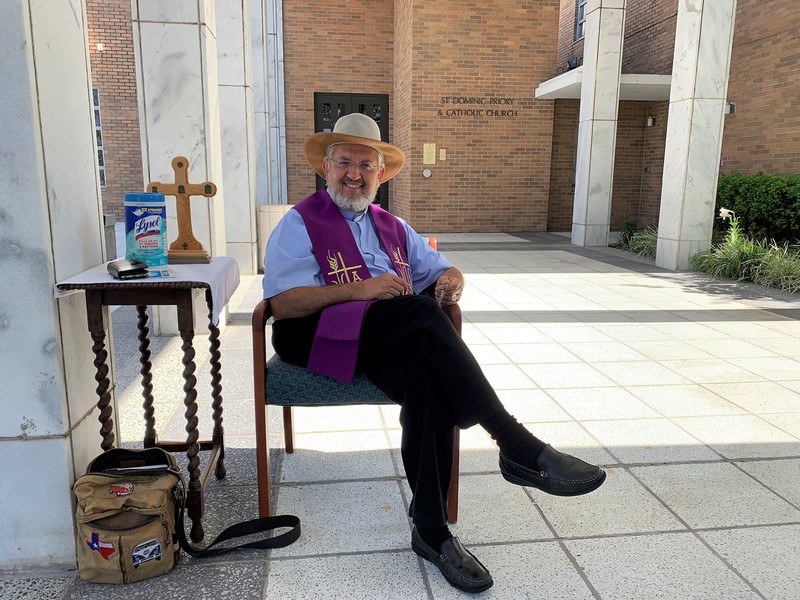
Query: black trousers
[410, 350]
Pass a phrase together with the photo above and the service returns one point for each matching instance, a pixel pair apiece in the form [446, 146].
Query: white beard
[357, 206]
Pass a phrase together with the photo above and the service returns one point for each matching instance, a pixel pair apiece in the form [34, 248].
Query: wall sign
[485, 107]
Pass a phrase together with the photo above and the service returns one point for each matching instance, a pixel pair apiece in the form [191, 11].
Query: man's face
[353, 176]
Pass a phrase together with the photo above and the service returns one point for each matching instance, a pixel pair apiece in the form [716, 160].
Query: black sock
[516, 443]
[434, 536]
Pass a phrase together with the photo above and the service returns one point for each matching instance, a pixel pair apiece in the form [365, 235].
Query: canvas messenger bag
[129, 517]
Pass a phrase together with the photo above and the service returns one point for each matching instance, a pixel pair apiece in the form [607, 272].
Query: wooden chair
[280, 383]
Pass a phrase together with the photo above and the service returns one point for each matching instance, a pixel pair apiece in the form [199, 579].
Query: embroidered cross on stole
[335, 346]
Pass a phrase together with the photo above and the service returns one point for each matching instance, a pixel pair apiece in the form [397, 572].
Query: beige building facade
[761, 134]
[459, 80]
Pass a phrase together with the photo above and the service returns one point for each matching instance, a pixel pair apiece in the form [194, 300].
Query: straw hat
[355, 128]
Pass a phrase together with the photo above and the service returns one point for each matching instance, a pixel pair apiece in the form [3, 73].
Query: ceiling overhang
[645, 88]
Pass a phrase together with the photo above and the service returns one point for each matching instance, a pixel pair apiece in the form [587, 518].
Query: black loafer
[559, 474]
[458, 565]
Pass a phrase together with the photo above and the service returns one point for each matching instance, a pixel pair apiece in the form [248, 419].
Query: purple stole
[335, 346]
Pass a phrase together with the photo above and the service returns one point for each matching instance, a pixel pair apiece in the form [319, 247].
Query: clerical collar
[354, 216]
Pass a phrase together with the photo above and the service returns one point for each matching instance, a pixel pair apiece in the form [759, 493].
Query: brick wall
[113, 74]
[473, 68]
[562, 166]
[764, 133]
[762, 136]
[627, 184]
[500, 173]
[638, 161]
[400, 187]
[336, 47]
[638, 164]
[567, 45]
[495, 176]
[649, 36]
[654, 142]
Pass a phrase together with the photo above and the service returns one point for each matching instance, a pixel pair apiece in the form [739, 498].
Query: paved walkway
[687, 390]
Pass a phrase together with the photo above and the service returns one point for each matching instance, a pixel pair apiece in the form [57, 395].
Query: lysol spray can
[146, 228]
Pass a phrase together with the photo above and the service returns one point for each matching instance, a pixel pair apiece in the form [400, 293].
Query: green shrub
[767, 206]
[639, 241]
[644, 242]
[732, 259]
[626, 231]
[740, 257]
[735, 257]
[779, 268]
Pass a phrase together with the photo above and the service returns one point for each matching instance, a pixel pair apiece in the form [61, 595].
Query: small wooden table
[219, 278]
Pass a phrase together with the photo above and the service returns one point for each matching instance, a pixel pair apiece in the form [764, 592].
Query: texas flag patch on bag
[105, 549]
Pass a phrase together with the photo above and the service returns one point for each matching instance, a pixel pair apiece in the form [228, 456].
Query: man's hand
[383, 287]
[303, 301]
[449, 286]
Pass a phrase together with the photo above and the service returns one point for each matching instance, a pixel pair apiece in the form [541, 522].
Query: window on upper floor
[580, 19]
[98, 131]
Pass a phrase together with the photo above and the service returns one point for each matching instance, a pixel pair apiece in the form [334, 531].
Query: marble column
[271, 191]
[176, 71]
[51, 228]
[238, 143]
[267, 36]
[700, 68]
[597, 123]
[175, 47]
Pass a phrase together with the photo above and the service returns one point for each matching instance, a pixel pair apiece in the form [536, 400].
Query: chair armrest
[261, 314]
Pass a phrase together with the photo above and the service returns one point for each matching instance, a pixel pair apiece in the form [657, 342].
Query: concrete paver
[687, 390]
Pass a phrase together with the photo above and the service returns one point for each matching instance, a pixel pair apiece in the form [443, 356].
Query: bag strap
[156, 461]
[260, 525]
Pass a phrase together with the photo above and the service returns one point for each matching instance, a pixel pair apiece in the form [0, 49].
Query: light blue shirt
[289, 261]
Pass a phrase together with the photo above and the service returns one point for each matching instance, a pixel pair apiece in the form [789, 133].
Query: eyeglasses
[347, 164]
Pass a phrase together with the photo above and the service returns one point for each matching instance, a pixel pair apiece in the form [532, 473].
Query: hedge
[767, 206]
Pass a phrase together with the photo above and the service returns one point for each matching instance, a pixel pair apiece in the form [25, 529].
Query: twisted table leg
[103, 385]
[217, 436]
[97, 322]
[147, 378]
[195, 490]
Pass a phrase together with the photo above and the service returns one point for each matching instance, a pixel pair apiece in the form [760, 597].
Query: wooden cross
[185, 249]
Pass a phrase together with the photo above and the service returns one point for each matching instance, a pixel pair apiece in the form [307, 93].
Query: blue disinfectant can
[146, 228]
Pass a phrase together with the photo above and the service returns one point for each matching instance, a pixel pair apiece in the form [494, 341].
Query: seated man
[344, 280]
